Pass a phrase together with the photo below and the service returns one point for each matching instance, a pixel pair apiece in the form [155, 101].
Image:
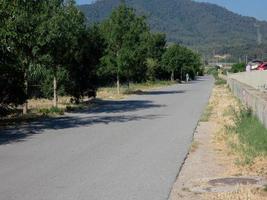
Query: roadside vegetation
[242, 131]
[206, 114]
[238, 67]
[49, 53]
[251, 133]
[215, 73]
[238, 144]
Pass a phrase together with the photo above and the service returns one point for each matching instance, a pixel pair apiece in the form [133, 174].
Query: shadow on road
[111, 106]
[160, 92]
[105, 112]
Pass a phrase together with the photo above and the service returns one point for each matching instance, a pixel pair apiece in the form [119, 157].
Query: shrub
[239, 67]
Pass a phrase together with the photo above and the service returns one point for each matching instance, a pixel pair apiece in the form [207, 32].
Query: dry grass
[241, 193]
[102, 93]
[223, 103]
[134, 88]
[44, 107]
[194, 146]
[47, 103]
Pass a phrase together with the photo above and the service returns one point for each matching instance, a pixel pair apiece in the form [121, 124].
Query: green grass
[51, 111]
[215, 73]
[252, 136]
[220, 81]
[212, 71]
[206, 114]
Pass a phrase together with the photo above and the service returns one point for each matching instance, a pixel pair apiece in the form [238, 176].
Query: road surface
[120, 150]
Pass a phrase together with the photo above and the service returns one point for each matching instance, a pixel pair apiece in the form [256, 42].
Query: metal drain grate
[233, 181]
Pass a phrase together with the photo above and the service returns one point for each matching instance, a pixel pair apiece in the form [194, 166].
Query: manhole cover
[233, 181]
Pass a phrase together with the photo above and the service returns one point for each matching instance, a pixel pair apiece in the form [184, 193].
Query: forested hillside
[202, 26]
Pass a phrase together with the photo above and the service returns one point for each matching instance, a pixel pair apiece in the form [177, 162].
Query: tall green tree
[12, 90]
[21, 22]
[155, 47]
[181, 60]
[83, 66]
[123, 33]
[62, 23]
[173, 59]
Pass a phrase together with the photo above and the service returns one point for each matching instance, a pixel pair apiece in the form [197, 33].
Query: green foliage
[212, 71]
[82, 71]
[172, 59]
[42, 41]
[47, 50]
[201, 71]
[179, 60]
[11, 81]
[18, 23]
[124, 35]
[152, 66]
[220, 81]
[238, 67]
[252, 135]
[51, 111]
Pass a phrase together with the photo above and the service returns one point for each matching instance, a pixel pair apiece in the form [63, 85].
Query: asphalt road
[120, 150]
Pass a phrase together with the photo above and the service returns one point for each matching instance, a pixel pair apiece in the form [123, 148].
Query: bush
[239, 67]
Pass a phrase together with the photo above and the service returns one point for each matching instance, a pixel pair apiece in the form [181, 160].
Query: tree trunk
[55, 100]
[25, 105]
[172, 76]
[118, 83]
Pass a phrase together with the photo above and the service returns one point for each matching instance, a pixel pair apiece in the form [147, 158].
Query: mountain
[203, 26]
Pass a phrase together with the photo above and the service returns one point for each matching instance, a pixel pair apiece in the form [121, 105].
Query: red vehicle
[262, 67]
[254, 64]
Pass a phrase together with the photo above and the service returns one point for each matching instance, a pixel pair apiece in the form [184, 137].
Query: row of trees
[44, 43]
[47, 49]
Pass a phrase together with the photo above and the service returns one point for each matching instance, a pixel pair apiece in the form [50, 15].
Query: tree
[61, 26]
[173, 59]
[21, 19]
[11, 81]
[181, 60]
[152, 66]
[192, 65]
[123, 33]
[155, 47]
[83, 66]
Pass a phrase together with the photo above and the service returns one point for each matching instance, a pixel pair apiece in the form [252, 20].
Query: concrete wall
[255, 79]
[253, 98]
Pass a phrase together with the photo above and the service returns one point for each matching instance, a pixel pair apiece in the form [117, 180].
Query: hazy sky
[254, 8]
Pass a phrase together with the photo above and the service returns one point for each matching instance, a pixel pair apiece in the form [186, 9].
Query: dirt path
[210, 171]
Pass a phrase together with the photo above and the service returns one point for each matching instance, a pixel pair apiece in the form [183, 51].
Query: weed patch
[52, 110]
[206, 114]
[220, 81]
[252, 136]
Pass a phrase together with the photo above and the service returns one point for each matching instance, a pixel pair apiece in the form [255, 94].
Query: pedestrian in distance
[187, 77]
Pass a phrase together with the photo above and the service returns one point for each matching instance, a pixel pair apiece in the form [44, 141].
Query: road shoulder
[210, 170]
